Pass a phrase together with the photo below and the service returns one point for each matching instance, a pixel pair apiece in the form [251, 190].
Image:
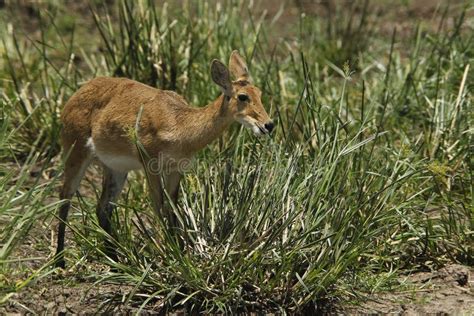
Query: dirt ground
[448, 291]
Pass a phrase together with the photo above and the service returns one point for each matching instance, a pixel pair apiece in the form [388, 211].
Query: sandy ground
[448, 291]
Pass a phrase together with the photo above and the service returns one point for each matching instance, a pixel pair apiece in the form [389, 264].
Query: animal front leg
[172, 181]
[156, 192]
[156, 184]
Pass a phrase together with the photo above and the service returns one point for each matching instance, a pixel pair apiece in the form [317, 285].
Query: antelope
[97, 117]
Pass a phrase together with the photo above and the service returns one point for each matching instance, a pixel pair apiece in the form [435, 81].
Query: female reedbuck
[97, 117]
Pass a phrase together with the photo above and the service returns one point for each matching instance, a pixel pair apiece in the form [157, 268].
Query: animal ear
[238, 67]
[220, 75]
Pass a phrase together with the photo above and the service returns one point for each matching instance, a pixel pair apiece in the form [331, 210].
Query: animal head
[244, 99]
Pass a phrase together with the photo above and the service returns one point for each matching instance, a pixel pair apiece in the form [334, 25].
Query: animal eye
[243, 97]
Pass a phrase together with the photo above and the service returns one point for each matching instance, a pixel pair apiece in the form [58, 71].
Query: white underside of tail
[122, 163]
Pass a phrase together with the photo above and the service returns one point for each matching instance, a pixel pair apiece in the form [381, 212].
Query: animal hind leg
[112, 184]
[75, 167]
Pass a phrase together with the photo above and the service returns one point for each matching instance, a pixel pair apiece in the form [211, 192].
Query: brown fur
[106, 110]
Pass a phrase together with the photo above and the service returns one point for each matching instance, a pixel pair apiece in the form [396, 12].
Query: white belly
[122, 163]
[119, 163]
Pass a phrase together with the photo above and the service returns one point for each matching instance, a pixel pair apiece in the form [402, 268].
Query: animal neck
[207, 124]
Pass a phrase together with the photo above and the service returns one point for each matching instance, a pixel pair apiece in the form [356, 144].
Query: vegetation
[367, 175]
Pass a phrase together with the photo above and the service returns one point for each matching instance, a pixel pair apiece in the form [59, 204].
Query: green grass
[368, 172]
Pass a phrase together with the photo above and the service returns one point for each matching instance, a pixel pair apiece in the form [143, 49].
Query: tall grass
[367, 172]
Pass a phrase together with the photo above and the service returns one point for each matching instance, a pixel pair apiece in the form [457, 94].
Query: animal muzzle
[269, 126]
[265, 128]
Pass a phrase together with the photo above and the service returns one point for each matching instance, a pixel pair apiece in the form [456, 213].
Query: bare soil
[448, 291]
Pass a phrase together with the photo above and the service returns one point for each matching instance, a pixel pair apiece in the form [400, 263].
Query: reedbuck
[98, 118]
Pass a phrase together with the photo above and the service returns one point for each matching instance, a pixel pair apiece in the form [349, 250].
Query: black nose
[269, 126]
